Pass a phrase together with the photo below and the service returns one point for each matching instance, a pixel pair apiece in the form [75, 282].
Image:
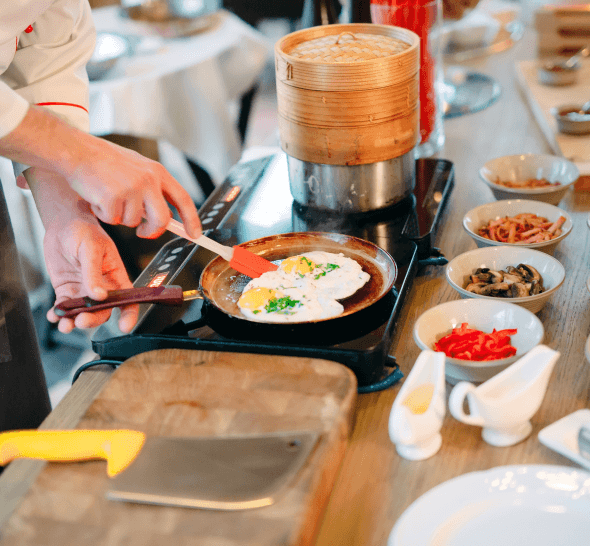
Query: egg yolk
[256, 297]
[298, 264]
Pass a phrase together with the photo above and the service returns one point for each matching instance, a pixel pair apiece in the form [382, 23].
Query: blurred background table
[185, 90]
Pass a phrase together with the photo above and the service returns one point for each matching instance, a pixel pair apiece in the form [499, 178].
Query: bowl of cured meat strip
[537, 177]
[531, 224]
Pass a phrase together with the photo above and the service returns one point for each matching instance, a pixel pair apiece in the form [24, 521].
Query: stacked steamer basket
[349, 114]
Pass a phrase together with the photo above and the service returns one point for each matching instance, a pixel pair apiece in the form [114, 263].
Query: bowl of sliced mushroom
[523, 276]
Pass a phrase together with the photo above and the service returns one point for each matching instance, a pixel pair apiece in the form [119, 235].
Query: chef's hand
[124, 187]
[121, 185]
[82, 260]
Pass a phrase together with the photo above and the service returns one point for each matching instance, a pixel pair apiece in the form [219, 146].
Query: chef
[75, 179]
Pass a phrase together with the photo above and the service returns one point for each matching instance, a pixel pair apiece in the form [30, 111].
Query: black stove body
[255, 201]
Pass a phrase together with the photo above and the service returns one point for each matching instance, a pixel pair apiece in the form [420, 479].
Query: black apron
[24, 399]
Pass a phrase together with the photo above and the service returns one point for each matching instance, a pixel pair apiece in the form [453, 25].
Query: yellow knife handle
[118, 447]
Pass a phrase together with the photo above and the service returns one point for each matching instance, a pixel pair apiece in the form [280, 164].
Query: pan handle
[167, 295]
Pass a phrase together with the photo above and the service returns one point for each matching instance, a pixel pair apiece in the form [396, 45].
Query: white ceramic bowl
[570, 119]
[484, 315]
[520, 168]
[498, 258]
[480, 216]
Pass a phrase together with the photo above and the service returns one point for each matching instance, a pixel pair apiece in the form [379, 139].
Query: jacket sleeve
[13, 109]
[49, 66]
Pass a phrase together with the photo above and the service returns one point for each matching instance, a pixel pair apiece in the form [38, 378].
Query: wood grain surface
[384, 483]
[175, 392]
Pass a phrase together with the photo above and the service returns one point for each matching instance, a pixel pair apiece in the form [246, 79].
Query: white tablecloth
[181, 90]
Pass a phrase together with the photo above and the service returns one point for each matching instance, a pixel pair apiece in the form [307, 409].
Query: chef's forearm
[55, 200]
[44, 140]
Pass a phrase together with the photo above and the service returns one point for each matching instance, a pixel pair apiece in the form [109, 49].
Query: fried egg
[333, 275]
[304, 288]
[286, 305]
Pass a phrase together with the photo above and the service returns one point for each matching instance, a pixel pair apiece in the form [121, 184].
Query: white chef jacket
[44, 48]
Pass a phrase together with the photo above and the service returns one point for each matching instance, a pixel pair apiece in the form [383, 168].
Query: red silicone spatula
[239, 258]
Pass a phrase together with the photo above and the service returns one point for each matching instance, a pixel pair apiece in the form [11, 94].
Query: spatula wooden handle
[118, 447]
[168, 295]
[225, 252]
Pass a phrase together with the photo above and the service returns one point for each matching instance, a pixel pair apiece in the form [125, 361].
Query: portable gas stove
[255, 201]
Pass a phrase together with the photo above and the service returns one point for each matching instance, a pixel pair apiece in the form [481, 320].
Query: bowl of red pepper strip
[505, 223]
[480, 338]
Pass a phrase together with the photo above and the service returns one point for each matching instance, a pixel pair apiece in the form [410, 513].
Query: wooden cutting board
[175, 392]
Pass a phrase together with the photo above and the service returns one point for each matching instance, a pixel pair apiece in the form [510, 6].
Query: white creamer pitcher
[504, 404]
[419, 408]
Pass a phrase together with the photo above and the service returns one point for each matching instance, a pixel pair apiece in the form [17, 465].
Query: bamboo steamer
[348, 94]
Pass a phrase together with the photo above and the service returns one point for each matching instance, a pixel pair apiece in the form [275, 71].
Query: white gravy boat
[419, 408]
[504, 404]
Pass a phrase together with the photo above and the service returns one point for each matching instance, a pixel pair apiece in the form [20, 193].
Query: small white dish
[518, 505]
[480, 216]
[419, 409]
[562, 436]
[504, 404]
[517, 169]
[460, 269]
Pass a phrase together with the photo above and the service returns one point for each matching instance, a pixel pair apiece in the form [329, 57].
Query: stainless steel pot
[355, 188]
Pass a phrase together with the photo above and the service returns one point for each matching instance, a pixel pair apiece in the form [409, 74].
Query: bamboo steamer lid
[348, 94]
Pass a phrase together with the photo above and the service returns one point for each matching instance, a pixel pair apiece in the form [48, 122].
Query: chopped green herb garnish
[329, 267]
[278, 305]
[256, 311]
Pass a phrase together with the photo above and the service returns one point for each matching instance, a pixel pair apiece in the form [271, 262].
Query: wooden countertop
[375, 485]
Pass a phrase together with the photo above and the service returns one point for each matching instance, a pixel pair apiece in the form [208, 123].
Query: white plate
[516, 505]
[562, 436]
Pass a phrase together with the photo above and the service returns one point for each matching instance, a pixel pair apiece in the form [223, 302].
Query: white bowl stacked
[498, 258]
[480, 216]
[517, 169]
[484, 315]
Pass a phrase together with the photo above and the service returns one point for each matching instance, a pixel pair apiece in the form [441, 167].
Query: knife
[118, 447]
[166, 295]
[216, 473]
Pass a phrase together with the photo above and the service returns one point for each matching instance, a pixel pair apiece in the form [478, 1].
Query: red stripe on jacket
[61, 104]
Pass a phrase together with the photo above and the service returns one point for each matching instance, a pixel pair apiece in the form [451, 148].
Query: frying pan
[220, 286]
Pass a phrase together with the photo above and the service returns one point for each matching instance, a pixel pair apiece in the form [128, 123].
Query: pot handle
[167, 295]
